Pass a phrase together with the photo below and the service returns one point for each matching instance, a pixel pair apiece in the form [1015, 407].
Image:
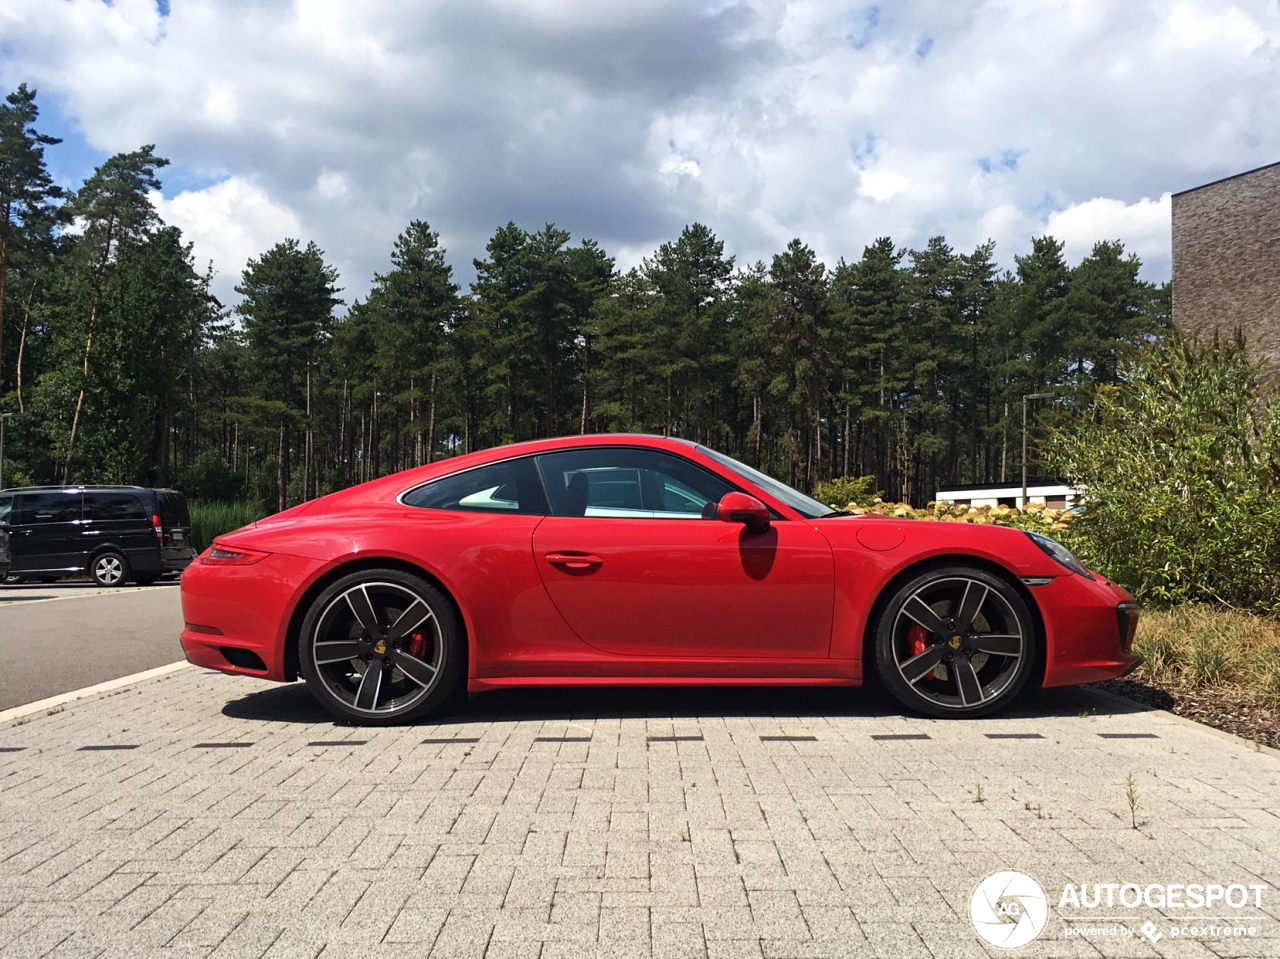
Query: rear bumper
[1083, 638]
[229, 611]
[174, 560]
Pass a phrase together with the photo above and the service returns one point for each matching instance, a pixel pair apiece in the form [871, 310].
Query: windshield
[807, 506]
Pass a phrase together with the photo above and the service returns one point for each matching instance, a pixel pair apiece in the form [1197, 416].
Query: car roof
[592, 439]
[72, 486]
[508, 451]
[387, 489]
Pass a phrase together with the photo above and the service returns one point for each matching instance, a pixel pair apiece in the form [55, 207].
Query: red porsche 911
[637, 560]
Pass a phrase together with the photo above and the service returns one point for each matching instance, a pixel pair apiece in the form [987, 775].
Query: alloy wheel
[957, 642]
[378, 648]
[108, 570]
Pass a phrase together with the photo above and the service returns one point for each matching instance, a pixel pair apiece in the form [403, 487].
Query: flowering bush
[1039, 519]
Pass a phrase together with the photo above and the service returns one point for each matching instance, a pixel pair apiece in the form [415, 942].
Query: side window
[6, 510]
[626, 482]
[52, 507]
[511, 486]
[108, 506]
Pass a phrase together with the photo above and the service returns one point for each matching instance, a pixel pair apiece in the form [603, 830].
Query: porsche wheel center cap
[380, 646]
[954, 642]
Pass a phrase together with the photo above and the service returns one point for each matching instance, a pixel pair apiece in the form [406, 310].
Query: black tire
[146, 579]
[332, 628]
[943, 666]
[109, 568]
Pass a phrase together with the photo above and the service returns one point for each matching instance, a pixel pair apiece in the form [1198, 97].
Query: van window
[6, 508]
[61, 506]
[172, 509]
[100, 505]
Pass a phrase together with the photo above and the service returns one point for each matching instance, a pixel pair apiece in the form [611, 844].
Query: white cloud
[681, 166]
[1144, 227]
[331, 185]
[836, 123]
[227, 224]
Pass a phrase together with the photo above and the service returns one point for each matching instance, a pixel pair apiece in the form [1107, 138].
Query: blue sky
[339, 121]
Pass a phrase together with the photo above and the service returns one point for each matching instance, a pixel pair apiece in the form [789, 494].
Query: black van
[113, 533]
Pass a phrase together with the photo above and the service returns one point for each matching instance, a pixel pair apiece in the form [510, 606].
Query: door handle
[573, 559]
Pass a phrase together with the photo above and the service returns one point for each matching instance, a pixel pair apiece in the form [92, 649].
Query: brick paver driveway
[197, 815]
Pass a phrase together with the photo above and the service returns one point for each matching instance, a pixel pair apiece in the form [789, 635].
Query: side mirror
[738, 507]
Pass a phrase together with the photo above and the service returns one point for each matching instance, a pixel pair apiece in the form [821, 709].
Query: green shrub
[210, 477]
[845, 490]
[1181, 470]
[212, 519]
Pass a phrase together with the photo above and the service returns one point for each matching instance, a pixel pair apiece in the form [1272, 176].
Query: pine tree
[112, 208]
[798, 337]
[26, 190]
[289, 297]
[414, 306]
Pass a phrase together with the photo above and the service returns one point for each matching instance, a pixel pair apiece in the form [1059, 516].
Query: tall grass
[1198, 647]
[211, 518]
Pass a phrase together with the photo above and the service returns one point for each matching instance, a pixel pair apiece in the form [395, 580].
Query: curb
[1221, 734]
[17, 712]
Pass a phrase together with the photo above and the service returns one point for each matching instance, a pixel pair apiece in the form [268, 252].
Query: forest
[908, 365]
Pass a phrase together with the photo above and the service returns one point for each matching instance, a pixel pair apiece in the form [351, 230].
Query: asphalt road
[61, 637]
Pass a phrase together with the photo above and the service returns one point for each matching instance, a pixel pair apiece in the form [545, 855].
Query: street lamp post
[1022, 504]
[3, 417]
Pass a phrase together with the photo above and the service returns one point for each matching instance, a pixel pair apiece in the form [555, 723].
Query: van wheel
[149, 579]
[110, 569]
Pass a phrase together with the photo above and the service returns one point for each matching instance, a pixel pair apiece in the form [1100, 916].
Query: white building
[1041, 491]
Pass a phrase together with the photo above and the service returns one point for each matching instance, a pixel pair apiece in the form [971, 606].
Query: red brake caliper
[917, 635]
[417, 645]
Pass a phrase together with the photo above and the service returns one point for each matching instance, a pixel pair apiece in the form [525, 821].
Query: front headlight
[1060, 553]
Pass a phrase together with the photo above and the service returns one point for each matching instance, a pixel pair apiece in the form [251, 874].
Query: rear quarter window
[510, 487]
[113, 506]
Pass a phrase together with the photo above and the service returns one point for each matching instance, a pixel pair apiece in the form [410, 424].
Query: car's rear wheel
[380, 647]
[109, 569]
[955, 641]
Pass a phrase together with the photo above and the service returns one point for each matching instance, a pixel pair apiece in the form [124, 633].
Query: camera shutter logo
[1009, 909]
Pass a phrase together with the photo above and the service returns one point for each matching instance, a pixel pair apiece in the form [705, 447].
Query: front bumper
[236, 618]
[1085, 631]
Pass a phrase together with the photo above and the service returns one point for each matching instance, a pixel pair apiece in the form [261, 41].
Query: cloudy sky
[339, 120]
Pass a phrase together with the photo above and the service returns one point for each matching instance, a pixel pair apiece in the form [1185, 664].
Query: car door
[121, 520]
[46, 531]
[641, 572]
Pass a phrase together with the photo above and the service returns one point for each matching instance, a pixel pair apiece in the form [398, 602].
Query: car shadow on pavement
[292, 703]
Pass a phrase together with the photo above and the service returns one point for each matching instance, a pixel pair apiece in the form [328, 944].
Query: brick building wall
[1226, 260]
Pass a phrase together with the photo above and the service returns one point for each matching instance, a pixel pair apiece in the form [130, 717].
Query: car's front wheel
[380, 647]
[956, 641]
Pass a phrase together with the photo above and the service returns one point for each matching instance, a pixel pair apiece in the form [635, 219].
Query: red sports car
[637, 560]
